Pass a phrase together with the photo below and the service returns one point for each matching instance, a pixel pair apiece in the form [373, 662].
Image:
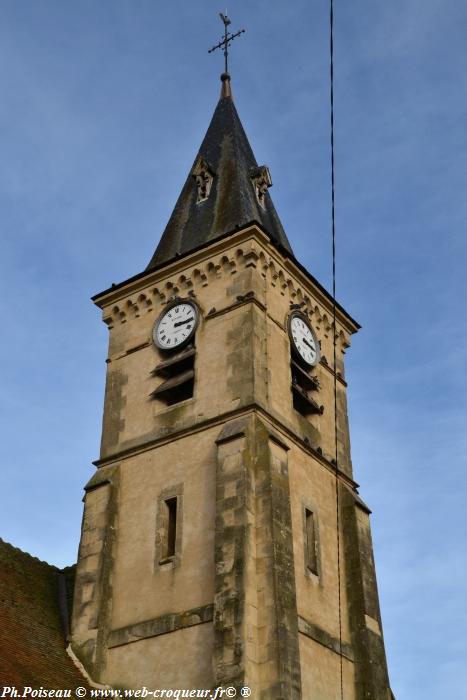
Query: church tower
[209, 552]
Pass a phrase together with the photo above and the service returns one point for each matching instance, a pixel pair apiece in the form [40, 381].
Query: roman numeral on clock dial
[176, 325]
[303, 339]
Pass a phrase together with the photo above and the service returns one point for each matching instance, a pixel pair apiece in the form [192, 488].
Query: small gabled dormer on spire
[261, 179]
[204, 176]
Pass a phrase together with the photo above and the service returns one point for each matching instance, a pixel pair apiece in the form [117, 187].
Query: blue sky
[103, 107]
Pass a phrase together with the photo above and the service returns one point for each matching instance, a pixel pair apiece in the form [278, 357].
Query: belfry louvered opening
[178, 373]
[303, 384]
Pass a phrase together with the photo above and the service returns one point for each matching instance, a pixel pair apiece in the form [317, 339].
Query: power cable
[333, 221]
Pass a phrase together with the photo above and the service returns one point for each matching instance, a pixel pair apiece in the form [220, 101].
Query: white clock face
[304, 340]
[175, 326]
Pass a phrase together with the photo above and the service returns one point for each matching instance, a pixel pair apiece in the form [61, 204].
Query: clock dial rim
[302, 317]
[164, 312]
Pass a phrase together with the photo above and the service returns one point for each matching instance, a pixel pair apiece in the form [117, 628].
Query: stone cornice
[284, 271]
[309, 629]
[275, 424]
[148, 277]
[159, 625]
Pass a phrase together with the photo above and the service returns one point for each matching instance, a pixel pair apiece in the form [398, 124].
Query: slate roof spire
[225, 190]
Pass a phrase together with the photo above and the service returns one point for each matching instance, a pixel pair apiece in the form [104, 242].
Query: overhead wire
[334, 314]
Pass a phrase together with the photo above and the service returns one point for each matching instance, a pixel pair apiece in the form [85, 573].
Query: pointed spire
[225, 190]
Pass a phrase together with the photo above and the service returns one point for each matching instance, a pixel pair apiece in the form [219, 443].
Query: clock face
[176, 325]
[303, 339]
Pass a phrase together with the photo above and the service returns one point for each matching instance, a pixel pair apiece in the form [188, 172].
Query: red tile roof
[32, 640]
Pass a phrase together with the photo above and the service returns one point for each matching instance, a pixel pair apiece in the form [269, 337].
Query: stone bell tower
[208, 552]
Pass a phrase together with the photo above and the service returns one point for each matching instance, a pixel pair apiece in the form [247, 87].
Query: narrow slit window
[170, 533]
[169, 528]
[311, 542]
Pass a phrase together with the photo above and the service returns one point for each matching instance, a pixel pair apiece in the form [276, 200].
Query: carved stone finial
[261, 179]
[226, 89]
[204, 177]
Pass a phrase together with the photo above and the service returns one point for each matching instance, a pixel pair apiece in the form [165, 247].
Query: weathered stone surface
[371, 674]
[115, 401]
[247, 464]
[255, 609]
[93, 589]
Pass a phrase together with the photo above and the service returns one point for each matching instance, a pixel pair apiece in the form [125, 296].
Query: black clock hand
[182, 323]
[306, 343]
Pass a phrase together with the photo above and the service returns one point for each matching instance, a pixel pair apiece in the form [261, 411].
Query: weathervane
[226, 40]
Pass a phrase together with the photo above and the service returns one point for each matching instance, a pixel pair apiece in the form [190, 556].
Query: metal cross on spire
[226, 40]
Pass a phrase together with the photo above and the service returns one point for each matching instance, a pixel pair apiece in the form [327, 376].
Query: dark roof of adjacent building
[32, 628]
[232, 202]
